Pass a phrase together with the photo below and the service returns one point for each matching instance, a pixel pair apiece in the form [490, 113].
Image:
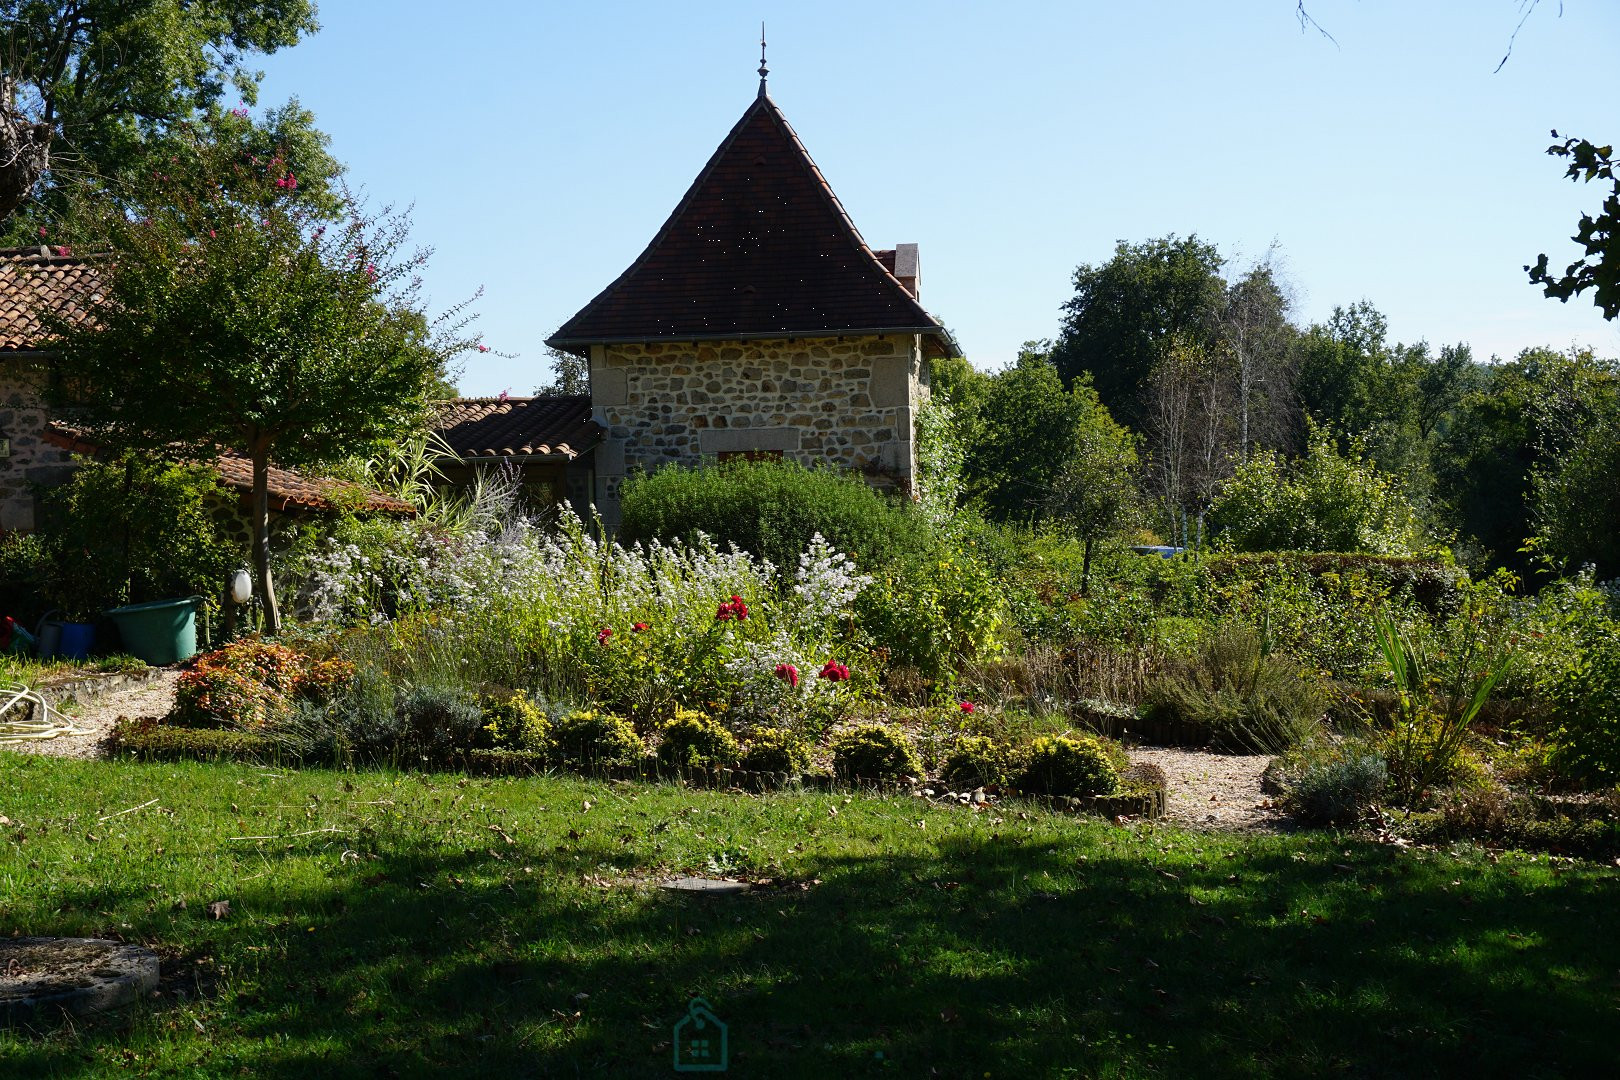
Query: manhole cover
[39, 975]
[711, 886]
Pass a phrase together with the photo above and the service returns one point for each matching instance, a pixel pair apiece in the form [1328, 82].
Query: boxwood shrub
[874, 752]
[695, 741]
[777, 750]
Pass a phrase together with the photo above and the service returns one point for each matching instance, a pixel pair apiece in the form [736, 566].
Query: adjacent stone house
[32, 280]
[38, 451]
[759, 323]
[545, 441]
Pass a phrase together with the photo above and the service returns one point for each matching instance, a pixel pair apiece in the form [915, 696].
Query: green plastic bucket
[162, 632]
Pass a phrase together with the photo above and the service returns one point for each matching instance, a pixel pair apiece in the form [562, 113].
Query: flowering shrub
[643, 629]
[833, 671]
[934, 615]
[252, 684]
[979, 760]
[515, 723]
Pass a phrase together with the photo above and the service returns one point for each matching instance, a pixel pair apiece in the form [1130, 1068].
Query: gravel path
[1213, 791]
[96, 717]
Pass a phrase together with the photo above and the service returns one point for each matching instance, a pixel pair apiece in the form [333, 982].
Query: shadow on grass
[991, 957]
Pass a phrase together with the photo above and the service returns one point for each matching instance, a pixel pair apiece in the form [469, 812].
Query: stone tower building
[758, 323]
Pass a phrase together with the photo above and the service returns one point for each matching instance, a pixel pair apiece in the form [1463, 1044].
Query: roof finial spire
[763, 70]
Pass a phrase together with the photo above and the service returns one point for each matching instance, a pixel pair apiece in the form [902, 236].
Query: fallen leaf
[218, 909]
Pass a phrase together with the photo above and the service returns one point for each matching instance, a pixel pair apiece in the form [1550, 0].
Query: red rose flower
[603, 634]
[835, 672]
[788, 674]
[968, 706]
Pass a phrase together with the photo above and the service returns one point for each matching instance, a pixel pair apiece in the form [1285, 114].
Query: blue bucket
[74, 640]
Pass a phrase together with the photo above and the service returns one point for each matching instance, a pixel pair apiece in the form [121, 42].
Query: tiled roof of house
[492, 427]
[758, 247]
[33, 280]
[288, 489]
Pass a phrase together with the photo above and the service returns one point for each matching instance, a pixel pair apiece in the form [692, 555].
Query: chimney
[906, 267]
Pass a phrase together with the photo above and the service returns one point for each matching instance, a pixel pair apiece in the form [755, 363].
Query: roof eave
[934, 331]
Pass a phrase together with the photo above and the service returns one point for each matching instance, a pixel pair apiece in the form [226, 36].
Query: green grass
[31, 672]
[411, 925]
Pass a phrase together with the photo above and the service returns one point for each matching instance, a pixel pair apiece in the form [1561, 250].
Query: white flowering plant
[640, 629]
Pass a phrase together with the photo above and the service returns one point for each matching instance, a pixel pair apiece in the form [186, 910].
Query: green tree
[1258, 348]
[570, 374]
[1095, 492]
[1575, 484]
[1324, 501]
[1125, 313]
[1516, 422]
[93, 90]
[1598, 268]
[1024, 434]
[234, 318]
[133, 530]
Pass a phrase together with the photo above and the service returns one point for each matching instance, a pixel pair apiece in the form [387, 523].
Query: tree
[1324, 501]
[233, 318]
[1258, 346]
[1095, 492]
[1125, 313]
[1514, 425]
[1575, 497]
[1190, 433]
[570, 374]
[1599, 267]
[95, 89]
[1023, 435]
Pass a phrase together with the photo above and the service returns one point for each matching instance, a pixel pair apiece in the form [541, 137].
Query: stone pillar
[609, 390]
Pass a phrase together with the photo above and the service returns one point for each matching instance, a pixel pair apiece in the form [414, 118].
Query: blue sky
[542, 144]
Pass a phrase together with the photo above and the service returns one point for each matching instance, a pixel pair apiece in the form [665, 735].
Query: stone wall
[849, 402]
[32, 461]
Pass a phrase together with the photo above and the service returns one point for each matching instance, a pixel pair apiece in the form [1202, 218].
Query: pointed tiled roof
[758, 247]
[558, 426]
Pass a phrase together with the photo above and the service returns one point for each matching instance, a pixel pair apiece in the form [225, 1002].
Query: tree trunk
[261, 536]
[1085, 570]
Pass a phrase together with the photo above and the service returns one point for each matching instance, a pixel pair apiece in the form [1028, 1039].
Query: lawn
[412, 925]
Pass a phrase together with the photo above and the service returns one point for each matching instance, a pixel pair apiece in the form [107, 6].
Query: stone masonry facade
[845, 401]
[33, 460]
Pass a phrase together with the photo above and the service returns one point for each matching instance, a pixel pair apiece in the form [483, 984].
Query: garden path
[1212, 791]
[96, 717]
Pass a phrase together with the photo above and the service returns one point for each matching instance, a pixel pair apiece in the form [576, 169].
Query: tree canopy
[1125, 313]
[93, 91]
[1598, 269]
[1323, 501]
[235, 318]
